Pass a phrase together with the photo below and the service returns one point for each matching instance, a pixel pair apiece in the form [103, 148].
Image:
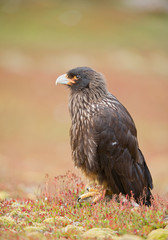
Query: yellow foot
[92, 195]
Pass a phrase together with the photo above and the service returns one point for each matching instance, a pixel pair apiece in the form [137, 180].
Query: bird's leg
[92, 194]
[100, 195]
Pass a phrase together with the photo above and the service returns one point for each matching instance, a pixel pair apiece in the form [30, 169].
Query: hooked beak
[63, 79]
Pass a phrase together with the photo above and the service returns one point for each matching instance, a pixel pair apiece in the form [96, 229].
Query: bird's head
[81, 78]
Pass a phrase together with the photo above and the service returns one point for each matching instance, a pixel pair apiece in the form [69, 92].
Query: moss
[17, 213]
[158, 234]
[16, 205]
[62, 220]
[21, 223]
[49, 221]
[58, 220]
[14, 213]
[7, 221]
[40, 228]
[130, 237]
[100, 233]
[72, 228]
[36, 235]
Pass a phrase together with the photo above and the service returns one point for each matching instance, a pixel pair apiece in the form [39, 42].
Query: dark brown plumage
[104, 137]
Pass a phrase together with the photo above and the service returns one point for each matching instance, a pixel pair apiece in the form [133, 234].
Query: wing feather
[122, 163]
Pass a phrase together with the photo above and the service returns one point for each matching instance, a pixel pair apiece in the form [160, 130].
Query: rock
[158, 234]
[72, 228]
[100, 233]
[130, 237]
[4, 195]
[7, 221]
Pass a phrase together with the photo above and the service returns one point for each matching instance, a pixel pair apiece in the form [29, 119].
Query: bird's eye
[77, 76]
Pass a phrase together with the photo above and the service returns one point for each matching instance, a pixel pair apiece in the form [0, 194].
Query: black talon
[79, 198]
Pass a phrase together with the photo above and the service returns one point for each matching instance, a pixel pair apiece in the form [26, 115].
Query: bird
[103, 139]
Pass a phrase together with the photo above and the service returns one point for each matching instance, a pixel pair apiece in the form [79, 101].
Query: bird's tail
[147, 196]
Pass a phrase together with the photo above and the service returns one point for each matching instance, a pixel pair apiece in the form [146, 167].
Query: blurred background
[39, 40]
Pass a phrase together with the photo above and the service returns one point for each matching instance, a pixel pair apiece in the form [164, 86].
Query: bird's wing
[122, 163]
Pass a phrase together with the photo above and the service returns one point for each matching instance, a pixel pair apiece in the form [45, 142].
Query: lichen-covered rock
[130, 237]
[7, 221]
[40, 228]
[4, 195]
[158, 234]
[72, 228]
[100, 233]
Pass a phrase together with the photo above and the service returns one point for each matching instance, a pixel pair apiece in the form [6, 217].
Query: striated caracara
[104, 137]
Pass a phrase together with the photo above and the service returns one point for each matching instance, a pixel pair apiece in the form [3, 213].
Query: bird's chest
[82, 114]
[81, 123]
[81, 136]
